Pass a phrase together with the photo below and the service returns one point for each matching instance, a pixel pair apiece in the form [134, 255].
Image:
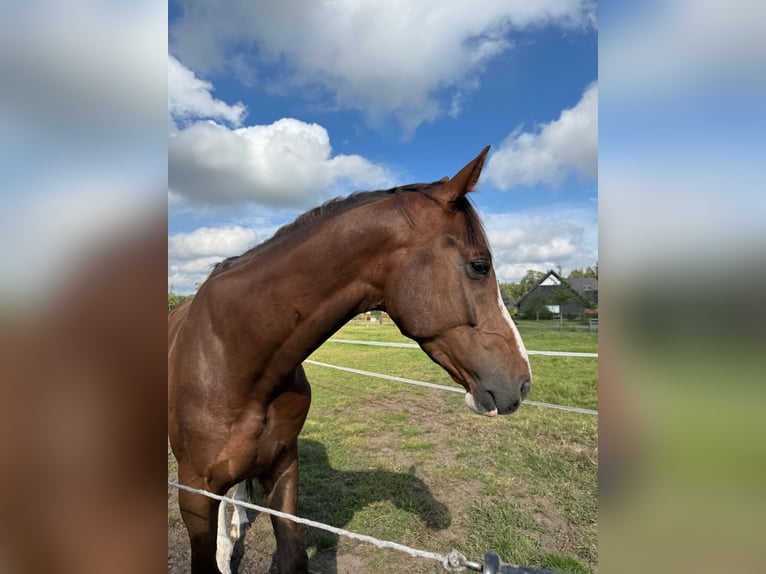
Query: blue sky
[275, 107]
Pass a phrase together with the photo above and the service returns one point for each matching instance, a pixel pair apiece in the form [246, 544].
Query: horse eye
[480, 267]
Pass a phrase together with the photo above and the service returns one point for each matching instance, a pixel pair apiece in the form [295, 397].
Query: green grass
[524, 486]
[414, 466]
[537, 335]
[546, 336]
[560, 380]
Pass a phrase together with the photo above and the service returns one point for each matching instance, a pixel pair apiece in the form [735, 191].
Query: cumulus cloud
[379, 57]
[211, 241]
[288, 163]
[191, 255]
[285, 164]
[542, 240]
[557, 149]
[189, 97]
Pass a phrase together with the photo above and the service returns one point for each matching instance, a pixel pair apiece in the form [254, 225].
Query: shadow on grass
[334, 497]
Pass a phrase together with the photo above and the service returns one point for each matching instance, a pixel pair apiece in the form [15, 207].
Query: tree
[531, 279]
[174, 299]
[534, 305]
[511, 291]
[590, 272]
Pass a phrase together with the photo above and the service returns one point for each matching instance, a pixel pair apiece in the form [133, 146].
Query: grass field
[413, 465]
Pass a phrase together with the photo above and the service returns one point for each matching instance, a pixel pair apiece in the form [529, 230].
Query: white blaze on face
[514, 330]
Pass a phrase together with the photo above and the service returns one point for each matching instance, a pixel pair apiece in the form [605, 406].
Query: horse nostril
[526, 385]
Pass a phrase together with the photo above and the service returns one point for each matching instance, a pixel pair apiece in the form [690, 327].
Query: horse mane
[475, 230]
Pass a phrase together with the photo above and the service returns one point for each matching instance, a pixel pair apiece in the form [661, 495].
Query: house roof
[577, 286]
[583, 284]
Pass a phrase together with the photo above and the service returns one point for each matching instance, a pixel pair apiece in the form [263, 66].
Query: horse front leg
[200, 515]
[281, 486]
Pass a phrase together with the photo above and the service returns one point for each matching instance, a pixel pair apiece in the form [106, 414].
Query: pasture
[415, 466]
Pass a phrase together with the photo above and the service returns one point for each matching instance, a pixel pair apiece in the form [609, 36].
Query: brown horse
[237, 394]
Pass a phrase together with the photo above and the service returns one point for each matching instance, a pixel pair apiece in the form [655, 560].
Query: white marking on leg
[224, 546]
[514, 330]
[239, 519]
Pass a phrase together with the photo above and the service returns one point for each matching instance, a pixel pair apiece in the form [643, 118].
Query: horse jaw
[471, 404]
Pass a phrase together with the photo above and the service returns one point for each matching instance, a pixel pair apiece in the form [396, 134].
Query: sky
[275, 107]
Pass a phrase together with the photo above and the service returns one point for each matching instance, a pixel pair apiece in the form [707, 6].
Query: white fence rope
[442, 387]
[416, 346]
[454, 561]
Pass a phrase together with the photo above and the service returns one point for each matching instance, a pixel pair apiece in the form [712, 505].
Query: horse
[237, 393]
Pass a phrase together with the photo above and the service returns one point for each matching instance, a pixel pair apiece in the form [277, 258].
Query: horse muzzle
[491, 399]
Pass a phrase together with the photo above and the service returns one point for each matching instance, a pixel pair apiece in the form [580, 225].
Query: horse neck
[298, 293]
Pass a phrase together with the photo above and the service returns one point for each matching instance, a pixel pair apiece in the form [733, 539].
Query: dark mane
[475, 230]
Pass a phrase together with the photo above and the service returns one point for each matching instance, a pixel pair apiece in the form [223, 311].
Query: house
[542, 298]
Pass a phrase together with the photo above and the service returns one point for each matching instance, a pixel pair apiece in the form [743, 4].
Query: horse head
[443, 293]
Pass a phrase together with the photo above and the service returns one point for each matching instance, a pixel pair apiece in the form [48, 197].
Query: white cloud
[285, 164]
[191, 255]
[211, 241]
[288, 163]
[556, 150]
[189, 97]
[379, 57]
[542, 240]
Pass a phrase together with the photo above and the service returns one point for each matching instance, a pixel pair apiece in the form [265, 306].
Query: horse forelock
[476, 236]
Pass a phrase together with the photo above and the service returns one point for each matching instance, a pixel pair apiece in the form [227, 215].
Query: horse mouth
[489, 405]
[471, 404]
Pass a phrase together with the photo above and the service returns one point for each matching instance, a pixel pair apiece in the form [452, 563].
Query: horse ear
[464, 181]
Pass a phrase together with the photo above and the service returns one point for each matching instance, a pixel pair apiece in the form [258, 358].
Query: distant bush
[174, 299]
